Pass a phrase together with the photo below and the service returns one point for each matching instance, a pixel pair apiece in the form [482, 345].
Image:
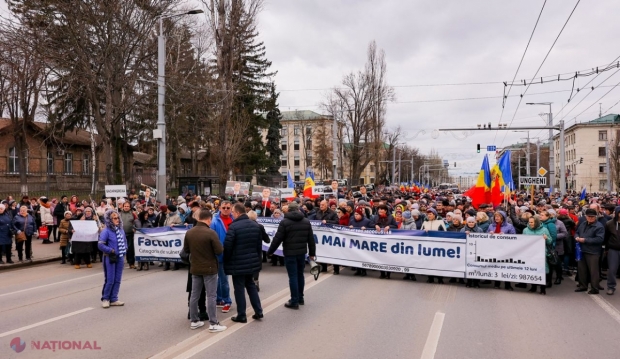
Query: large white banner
[393, 252]
[159, 244]
[506, 257]
[85, 231]
[509, 258]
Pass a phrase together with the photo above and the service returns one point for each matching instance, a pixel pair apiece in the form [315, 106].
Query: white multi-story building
[588, 147]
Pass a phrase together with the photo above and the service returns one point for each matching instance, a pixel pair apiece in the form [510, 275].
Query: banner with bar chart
[507, 258]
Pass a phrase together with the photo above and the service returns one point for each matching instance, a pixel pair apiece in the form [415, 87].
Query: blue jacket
[5, 229]
[506, 228]
[218, 226]
[363, 223]
[243, 247]
[24, 224]
[107, 237]
[594, 235]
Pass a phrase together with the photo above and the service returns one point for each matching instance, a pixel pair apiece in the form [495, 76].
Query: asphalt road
[344, 317]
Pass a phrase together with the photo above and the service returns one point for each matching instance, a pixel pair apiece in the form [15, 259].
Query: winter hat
[360, 211]
[350, 204]
[68, 212]
[552, 213]
[406, 214]
[432, 210]
[163, 208]
[172, 208]
[43, 199]
[563, 211]
[362, 203]
[415, 212]
[293, 206]
[415, 206]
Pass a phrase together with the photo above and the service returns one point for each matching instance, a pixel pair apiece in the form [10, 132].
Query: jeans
[613, 261]
[210, 285]
[20, 248]
[295, 268]
[223, 287]
[241, 283]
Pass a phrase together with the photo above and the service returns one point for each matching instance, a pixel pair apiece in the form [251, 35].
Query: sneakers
[196, 325]
[610, 291]
[117, 304]
[226, 308]
[214, 328]
[105, 304]
[219, 304]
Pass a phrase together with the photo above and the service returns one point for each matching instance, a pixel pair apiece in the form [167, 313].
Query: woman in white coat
[46, 218]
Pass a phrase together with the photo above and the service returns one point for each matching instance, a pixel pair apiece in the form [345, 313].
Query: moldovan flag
[502, 179]
[309, 183]
[481, 192]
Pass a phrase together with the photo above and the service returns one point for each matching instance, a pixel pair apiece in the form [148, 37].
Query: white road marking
[433, 336]
[604, 304]
[205, 339]
[48, 285]
[2, 335]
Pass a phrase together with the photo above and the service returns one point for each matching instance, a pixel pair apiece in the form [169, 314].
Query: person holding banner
[433, 223]
[83, 250]
[382, 222]
[113, 243]
[536, 228]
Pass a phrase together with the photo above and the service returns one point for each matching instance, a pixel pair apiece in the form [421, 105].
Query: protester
[129, 220]
[253, 216]
[24, 227]
[203, 245]
[221, 222]
[590, 236]
[113, 243]
[612, 246]
[65, 231]
[433, 223]
[46, 218]
[242, 258]
[535, 227]
[6, 235]
[297, 239]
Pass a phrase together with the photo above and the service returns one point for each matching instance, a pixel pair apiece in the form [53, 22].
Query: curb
[28, 264]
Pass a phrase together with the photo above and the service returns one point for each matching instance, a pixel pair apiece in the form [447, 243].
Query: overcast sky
[314, 43]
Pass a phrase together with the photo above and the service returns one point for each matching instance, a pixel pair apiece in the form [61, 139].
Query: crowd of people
[580, 233]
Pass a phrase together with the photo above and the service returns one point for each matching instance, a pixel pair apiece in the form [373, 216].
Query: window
[362, 181]
[602, 168]
[602, 152]
[50, 162]
[296, 145]
[14, 160]
[372, 168]
[296, 161]
[284, 177]
[296, 131]
[85, 163]
[284, 163]
[602, 135]
[297, 178]
[284, 146]
[284, 131]
[68, 163]
[309, 131]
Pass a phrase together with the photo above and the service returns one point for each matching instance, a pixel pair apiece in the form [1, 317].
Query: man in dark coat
[296, 236]
[243, 253]
[590, 234]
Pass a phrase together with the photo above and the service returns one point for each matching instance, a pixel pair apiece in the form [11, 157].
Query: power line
[541, 65]
[522, 57]
[600, 98]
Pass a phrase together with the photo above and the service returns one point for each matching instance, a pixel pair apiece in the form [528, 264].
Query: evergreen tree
[274, 151]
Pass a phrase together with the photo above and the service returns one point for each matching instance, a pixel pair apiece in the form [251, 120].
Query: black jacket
[295, 234]
[612, 234]
[59, 211]
[329, 216]
[594, 235]
[243, 248]
[517, 222]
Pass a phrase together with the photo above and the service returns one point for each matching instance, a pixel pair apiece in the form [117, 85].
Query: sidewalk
[41, 253]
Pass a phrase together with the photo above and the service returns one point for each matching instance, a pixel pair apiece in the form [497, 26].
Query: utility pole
[537, 154]
[400, 155]
[608, 167]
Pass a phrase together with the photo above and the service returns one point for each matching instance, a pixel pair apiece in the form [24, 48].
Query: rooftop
[303, 115]
[607, 119]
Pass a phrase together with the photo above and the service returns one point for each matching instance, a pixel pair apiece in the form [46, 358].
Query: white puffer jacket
[46, 216]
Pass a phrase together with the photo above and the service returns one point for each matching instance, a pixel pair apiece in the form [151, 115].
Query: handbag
[43, 233]
[552, 255]
[20, 237]
[184, 256]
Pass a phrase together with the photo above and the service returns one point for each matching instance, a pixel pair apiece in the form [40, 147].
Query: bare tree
[22, 73]
[614, 160]
[360, 106]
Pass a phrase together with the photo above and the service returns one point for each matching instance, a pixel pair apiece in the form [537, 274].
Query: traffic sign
[533, 181]
[491, 148]
[542, 172]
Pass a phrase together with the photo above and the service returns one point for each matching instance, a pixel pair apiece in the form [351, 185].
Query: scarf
[120, 241]
[498, 227]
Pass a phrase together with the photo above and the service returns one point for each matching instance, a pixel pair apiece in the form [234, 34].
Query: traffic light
[581, 160]
[478, 148]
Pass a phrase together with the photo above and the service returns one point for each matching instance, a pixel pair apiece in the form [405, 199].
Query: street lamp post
[160, 134]
[551, 158]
